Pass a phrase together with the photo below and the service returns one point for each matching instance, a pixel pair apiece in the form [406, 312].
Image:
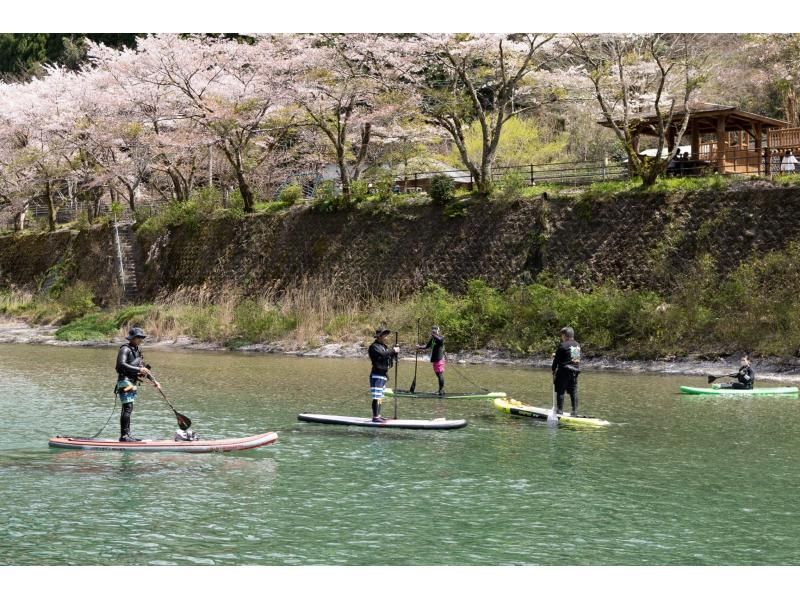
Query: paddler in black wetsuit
[130, 367]
[436, 345]
[745, 377]
[566, 367]
[382, 358]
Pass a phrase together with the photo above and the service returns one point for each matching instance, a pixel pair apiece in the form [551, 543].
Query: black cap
[136, 332]
[381, 331]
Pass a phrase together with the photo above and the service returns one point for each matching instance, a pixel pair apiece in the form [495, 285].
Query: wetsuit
[566, 367]
[129, 361]
[745, 378]
[382, 358]
[436, 344]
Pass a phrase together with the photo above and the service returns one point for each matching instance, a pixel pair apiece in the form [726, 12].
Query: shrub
[326, 197]
[359, 191]
[77, 300]
[441, 189]
[291, 194]
[512, 184]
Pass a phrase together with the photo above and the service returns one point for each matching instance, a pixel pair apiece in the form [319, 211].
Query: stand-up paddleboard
[408, 424]
[182, 446]
[514, 407]
[761, 390]
[406, 394]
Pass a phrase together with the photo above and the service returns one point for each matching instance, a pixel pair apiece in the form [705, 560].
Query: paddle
[184, 423]
[416, 357]
[712, 378]
[396, 367]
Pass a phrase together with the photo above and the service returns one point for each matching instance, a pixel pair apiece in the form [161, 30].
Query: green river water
[691, 481]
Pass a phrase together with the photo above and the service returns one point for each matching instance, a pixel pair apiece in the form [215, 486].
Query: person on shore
[130, 367]
[788, 162]
[382, 358]
[566, 367]
[436, 345]
[745, 377]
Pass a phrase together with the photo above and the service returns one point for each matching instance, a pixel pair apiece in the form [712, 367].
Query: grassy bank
[755, 308]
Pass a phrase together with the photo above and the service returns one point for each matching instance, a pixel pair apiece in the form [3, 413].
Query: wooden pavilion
[725, 137]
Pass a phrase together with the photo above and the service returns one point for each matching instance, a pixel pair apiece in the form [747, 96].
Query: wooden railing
[784, 138]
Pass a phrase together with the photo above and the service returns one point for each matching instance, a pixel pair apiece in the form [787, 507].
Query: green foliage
[441, 189]
[521, 142]
[116, 209]
[255, 323]
[327, 198]
[291, 194]
[512, 185]
[176, 213]
[91, 327]
[359, 190]
[78, 300]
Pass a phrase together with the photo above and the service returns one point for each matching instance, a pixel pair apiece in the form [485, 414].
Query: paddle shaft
[184, 423]
[396, 367]
[416, 359]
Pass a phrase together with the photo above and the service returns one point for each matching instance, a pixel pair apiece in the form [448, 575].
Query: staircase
[126, 264]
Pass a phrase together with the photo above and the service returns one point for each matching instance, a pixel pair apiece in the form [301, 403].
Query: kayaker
[745, 377]
[436, 345]
[566, 367]
[130, 367]
[382, 358]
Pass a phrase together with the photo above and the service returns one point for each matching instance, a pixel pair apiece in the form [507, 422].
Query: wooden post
[670, 138]
[695, 141]
[758, 145]
[722, 144]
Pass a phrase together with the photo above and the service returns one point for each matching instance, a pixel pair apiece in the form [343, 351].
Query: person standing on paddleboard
[745, 377]
[436, 345]
[130, 367]
[566, 367]
[382, 358]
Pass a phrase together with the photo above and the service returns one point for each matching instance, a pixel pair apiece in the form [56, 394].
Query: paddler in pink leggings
[436, 344]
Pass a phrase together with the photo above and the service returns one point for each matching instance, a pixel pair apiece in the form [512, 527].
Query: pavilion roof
[705, 116]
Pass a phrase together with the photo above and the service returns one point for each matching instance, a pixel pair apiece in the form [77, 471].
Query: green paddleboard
[762, 390]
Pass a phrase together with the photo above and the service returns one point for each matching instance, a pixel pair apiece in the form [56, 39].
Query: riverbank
[19, 331]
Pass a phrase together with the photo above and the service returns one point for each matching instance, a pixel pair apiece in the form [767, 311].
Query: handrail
[119, 255]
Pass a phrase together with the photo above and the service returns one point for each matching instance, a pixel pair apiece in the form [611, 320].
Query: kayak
[182, 446]
[408, 424]
[764, 390]
[514, 407]
[407, 394]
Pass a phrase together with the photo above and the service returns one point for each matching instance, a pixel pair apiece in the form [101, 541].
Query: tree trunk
[247, 193]
[344, 177]
[177, 185]
[19, 219]
[51, 207]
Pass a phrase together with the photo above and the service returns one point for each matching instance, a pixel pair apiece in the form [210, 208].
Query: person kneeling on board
[130, 366]
[382, 358]
[566, 367]
[745, 377]
[436, 345]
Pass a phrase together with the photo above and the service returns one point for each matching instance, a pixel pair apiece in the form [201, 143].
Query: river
[676, 480]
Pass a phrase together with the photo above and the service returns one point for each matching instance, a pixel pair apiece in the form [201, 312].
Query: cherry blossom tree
[631, 73]
[346, 86]
[229, 89]
[484, 78]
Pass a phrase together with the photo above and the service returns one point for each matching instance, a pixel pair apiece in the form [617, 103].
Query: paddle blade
[184, 423]
[413, 385]
[711, 378]
[552, 418]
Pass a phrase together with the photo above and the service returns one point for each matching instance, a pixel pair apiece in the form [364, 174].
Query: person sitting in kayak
[130, 367]
[566, 367]
[436, 344]
[745, 377]
[382, 358]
